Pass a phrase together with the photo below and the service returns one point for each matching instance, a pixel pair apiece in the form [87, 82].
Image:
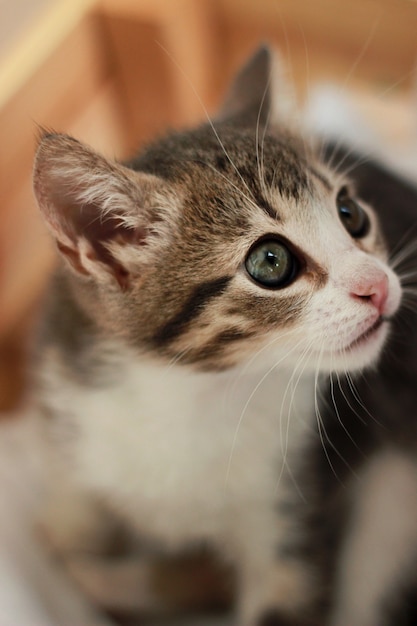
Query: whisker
[230, 182]
[409, 301]
[359, 400]
[347, 399]
[411, 73]
[248, 364]
[248, 401]
[364, 158]
[307, 62]
[320, 422]
[260, 163]
[301, 365]
[332, 445]
[339, 418]
[353, 68]
[410, 290]
[312, 144]
[407, 280]
[175, 360]
[199, 99]
[360, 56]
[403, 252]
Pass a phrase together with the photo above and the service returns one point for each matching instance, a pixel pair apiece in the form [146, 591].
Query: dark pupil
[272, 259]
[270, 263]
[354, 218]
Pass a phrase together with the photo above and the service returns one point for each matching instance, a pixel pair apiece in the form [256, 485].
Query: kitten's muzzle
[369, 332]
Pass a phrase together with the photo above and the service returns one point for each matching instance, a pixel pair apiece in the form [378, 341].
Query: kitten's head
[228, 243]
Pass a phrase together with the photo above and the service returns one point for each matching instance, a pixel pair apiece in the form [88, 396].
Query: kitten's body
[178, 381]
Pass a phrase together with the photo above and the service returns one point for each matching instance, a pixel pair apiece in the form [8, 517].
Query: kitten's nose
[373, 288]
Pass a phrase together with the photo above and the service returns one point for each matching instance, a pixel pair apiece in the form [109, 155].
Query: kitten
[368, 526]
[203, 288]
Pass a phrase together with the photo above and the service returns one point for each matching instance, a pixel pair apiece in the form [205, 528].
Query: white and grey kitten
[203, 287]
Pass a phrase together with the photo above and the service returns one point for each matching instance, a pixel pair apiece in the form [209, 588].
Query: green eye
[353, 217]
[271, 264]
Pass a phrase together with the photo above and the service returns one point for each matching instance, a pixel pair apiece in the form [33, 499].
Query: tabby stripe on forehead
[267, 208]
[256, 194]
[320, 177]
[192, 308]
[263, 203]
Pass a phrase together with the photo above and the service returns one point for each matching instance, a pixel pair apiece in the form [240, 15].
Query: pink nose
[374, 289]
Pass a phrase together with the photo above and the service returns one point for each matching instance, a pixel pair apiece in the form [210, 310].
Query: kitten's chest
[165, 442]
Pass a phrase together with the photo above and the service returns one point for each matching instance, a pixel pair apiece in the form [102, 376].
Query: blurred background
[115, 73]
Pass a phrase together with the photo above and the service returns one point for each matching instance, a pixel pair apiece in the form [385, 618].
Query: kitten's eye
[354, 218]
[271, 264]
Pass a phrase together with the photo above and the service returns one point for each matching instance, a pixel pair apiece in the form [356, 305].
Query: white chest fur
[169, 444]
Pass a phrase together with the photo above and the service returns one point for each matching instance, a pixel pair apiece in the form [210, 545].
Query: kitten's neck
[273, 396]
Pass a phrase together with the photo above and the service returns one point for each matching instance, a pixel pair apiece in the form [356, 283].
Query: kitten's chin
[363, 352]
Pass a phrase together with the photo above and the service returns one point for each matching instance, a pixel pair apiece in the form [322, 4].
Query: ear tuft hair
[92, 206]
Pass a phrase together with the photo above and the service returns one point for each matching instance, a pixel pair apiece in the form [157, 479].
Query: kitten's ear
[261, 90]
[98, 211]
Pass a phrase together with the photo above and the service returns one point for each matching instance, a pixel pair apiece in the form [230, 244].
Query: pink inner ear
[85, 197]
[99, 228]
[73, 257]
[86, 221]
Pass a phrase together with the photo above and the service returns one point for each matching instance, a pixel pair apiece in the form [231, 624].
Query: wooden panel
[102, 122]
[186, 30]
[374, 40]
[37, 42]
[353, 42]
[12, 368]
[143, 79]
[189, 39]
[54, 96]
[165, 58]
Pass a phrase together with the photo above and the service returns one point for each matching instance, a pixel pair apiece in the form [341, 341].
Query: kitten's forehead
[267, 168]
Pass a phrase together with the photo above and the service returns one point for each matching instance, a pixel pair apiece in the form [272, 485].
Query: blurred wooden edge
[377, 36]
[38, 42]
[186, 35]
